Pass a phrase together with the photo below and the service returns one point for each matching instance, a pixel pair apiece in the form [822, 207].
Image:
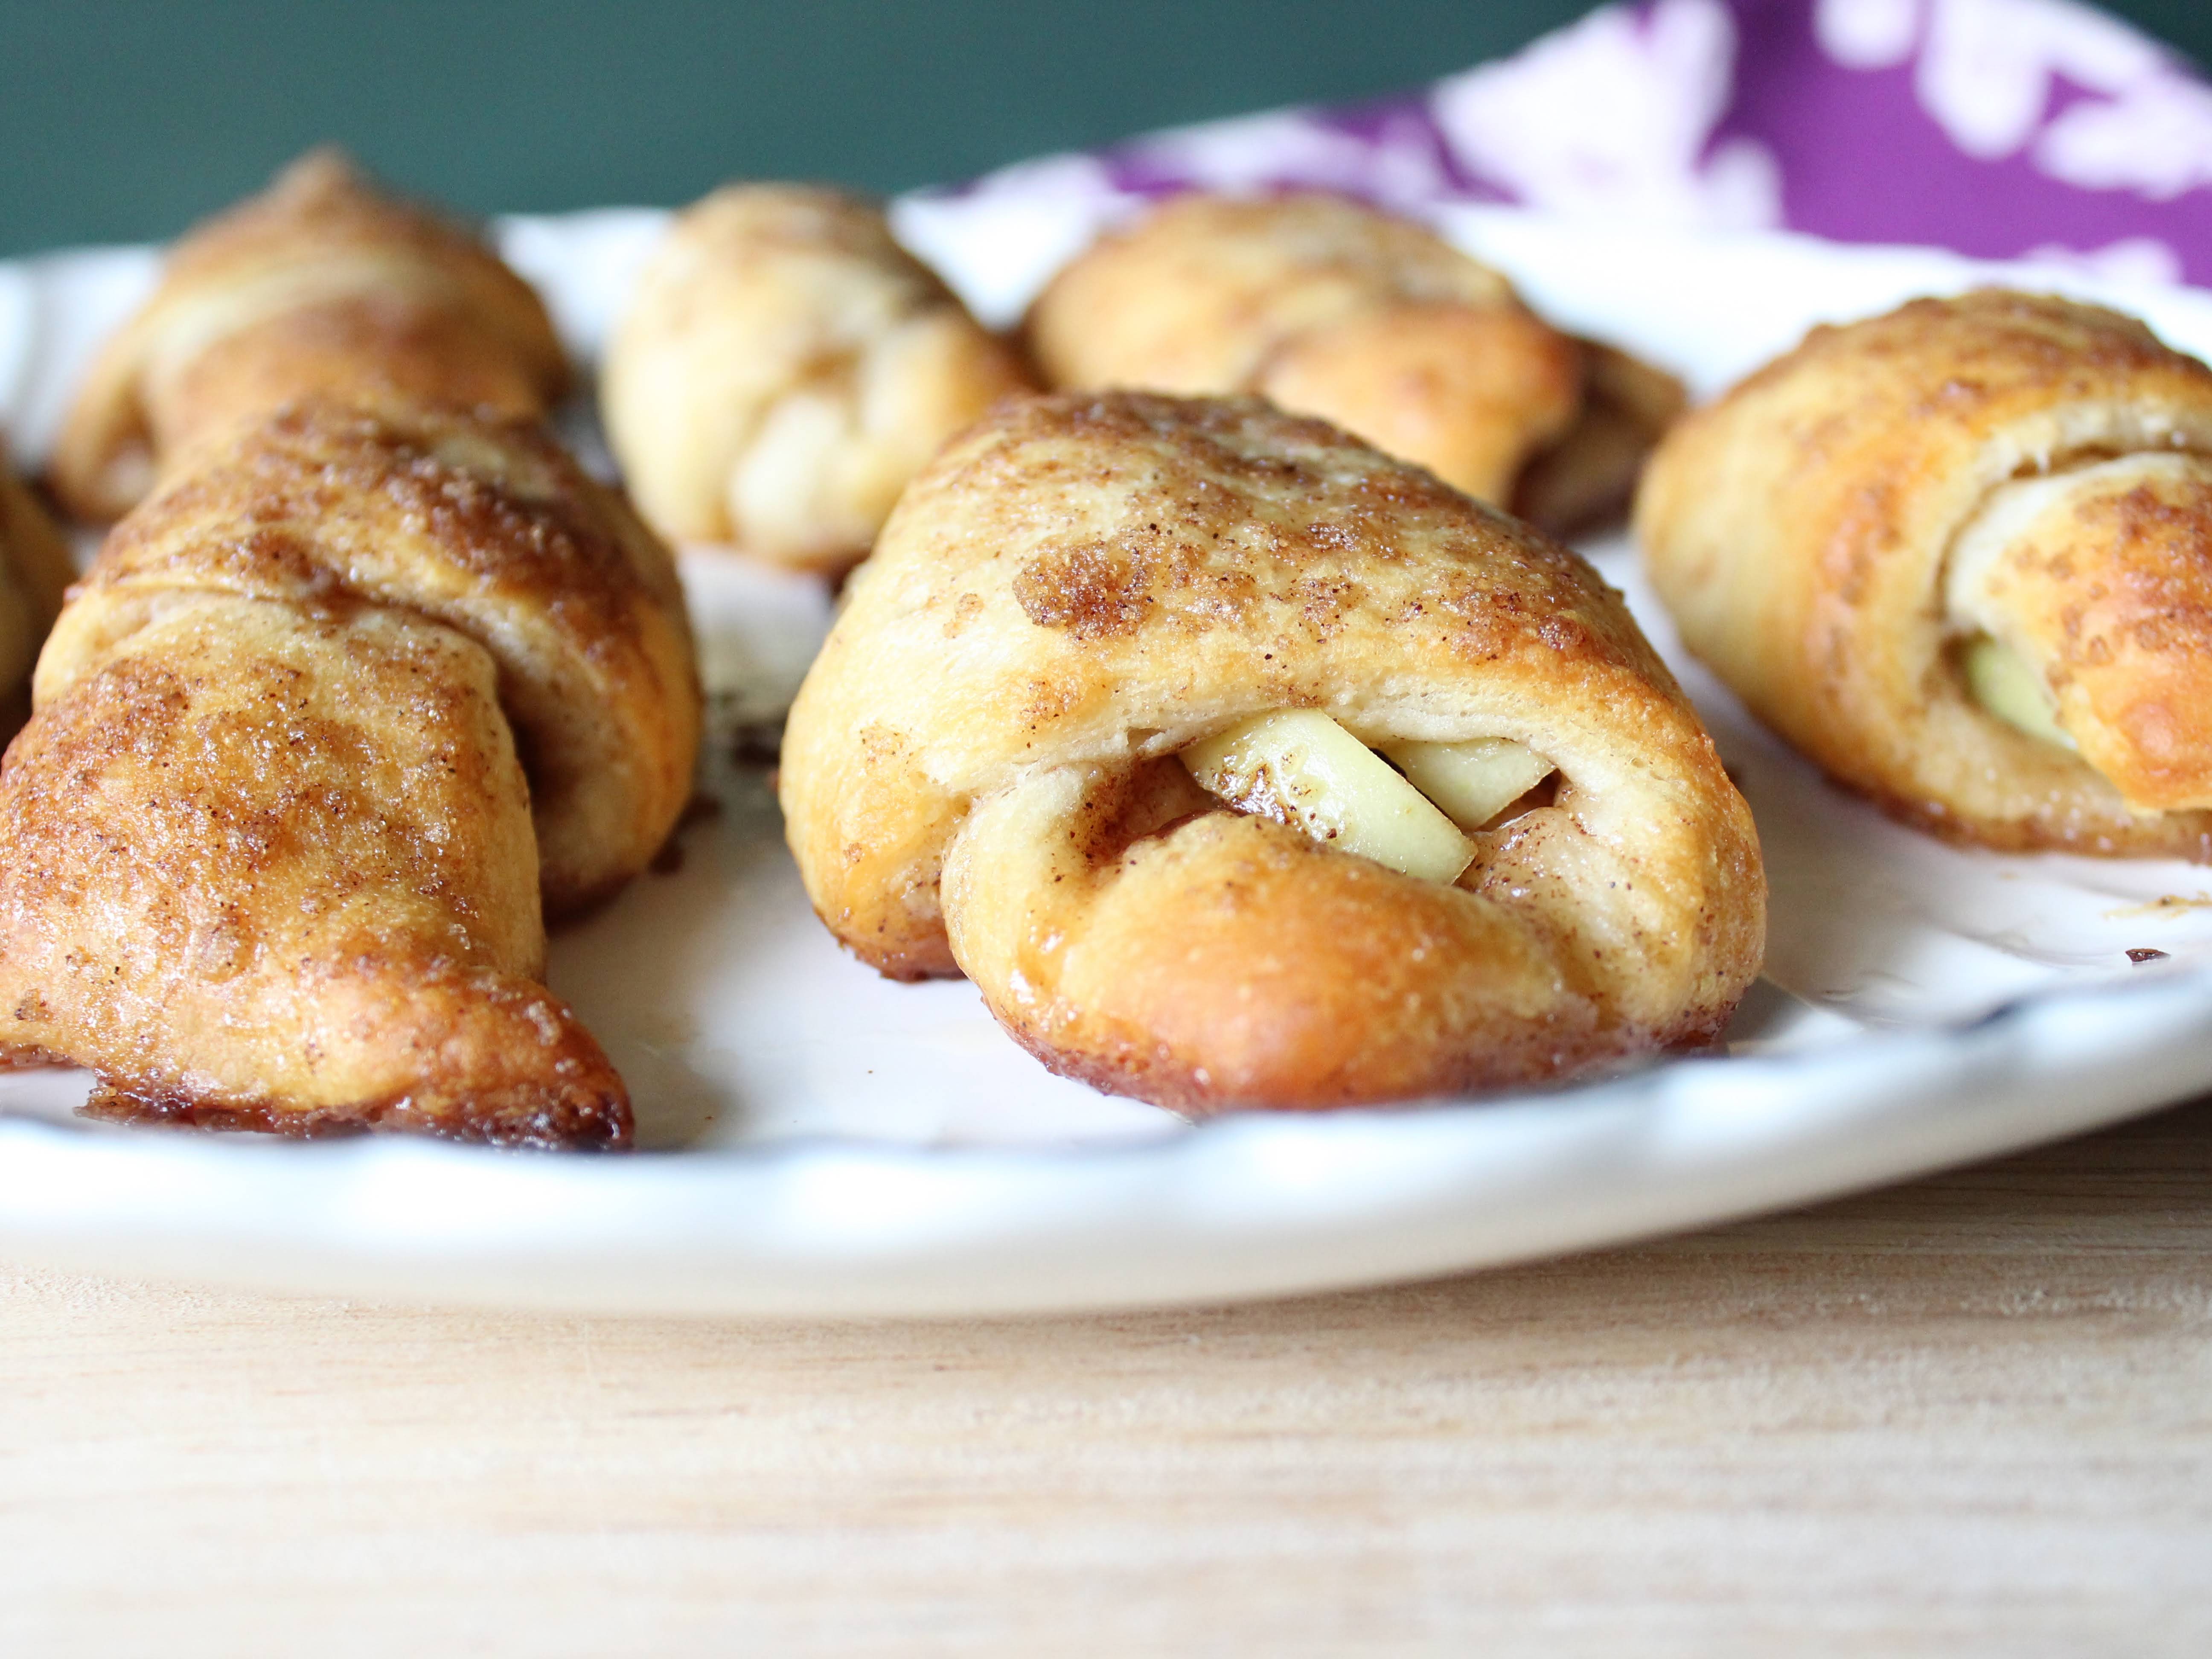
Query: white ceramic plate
[824, 1142]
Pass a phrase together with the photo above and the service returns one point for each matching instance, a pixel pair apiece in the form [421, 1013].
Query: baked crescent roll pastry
[321, 284]
[35, 571]
[1239, 764]
[1961, 555]
[784, 368]
[328, 714]
[1328, 306]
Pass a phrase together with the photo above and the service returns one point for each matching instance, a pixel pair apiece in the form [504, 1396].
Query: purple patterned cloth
[1993, 127]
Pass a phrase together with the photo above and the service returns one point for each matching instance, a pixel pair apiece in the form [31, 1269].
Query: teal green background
[125, 121]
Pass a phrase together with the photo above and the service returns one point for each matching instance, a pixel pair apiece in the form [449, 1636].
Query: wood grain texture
[1971, 1415]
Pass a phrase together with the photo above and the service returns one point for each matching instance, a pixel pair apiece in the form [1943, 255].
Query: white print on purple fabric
[2131, 259]
[1996, 128]
[1396, 164]
[1989, 72]
[1613, 116]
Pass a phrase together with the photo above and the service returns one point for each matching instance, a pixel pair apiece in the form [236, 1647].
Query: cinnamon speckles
[1094, 577]
[269, 862]
[1130, 513]
[1110, 589]
[1567, 635]
[1324, 601]
[880, 744]
[482, 526]
[327, 500]
[1093, 591]
[965, 610]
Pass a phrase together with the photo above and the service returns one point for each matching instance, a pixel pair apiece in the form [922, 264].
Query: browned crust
[265, 860]
[530, 1121]
[1290, 977]
[486, 525]
[1081, 586]
[323, 201]
[2115, 594]
[581, 1117]
[1797, 529]
[1160, 1080]
[1332, 308]
[1470, 392]
[2051, 833]
[321, 284]
[266, 851]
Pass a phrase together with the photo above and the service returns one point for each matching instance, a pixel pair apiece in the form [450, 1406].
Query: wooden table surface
[1970, 1415]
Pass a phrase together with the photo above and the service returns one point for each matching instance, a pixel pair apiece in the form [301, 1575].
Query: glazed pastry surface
[486, 526]
[783, 369]
[1330, 307]
[981, 773]
[1849, 535]
[325, 716]
[320, 285]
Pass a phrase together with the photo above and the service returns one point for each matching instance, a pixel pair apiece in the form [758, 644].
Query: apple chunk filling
[1474, 781]
[2005, 595]
[2006, 684]
[1302, 768]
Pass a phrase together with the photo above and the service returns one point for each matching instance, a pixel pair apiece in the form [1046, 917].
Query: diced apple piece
[1474, 781]
[1302, 768]
[2005, 683]
[2007, 648]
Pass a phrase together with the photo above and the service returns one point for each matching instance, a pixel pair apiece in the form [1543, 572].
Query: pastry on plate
[336, 716]
[1960, 555]
[1242, 765]
[1332, 308]
[783, 369]
[35, 571]
[321, 284]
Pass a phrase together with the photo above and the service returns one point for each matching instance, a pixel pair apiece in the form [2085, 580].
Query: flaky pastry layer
[485, 526]
[978, 776]
[783, 368]
[326, 716]
[1331, 307]
[320, 285]
[1800, 530]
[273, 867]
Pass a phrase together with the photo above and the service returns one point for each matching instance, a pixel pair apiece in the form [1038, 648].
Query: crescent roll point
[1961, 556]
[1098, 721]
[326, 715]
[783, 369]
[321, 284]
[1331, 307]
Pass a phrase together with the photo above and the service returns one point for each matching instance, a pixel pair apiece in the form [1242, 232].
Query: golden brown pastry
[328, 714]
[1331, 307]
[1098, 727]
[784, 368]
[322, 284]
[1961, 555]
[35, 571]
